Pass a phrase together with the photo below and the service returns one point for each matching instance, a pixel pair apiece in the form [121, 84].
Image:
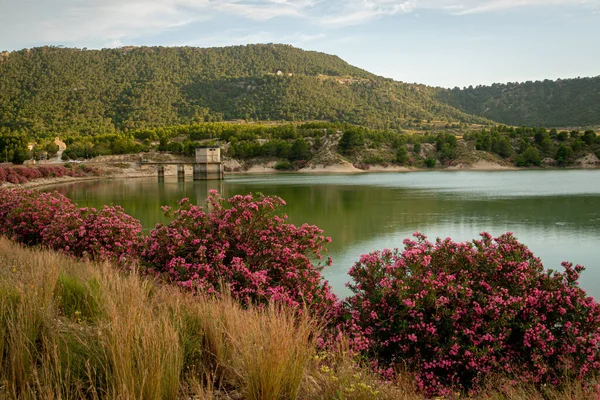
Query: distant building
[208, 154]
[208, 163]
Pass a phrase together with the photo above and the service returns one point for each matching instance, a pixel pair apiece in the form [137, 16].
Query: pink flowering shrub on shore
[52, 220]
[24, 214]
[241, 242]
[456, 312]
[18, 175]
[107, 234]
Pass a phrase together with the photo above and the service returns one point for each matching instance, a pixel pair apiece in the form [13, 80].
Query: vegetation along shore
[327, 147]
[201, 307]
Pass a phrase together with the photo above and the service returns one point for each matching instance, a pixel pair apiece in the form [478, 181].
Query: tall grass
[71, 330]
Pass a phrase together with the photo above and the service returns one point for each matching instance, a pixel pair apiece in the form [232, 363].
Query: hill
[560, 103]
[49, 90]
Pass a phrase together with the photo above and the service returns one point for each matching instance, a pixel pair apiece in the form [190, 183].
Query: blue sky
[437, 42]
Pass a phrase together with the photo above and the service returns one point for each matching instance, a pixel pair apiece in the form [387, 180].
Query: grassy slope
[72, 329]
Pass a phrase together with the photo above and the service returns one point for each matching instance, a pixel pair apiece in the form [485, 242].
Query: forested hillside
[560, 103]
[49, 91]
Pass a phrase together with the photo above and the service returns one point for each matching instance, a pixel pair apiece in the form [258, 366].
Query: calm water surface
[555, 213]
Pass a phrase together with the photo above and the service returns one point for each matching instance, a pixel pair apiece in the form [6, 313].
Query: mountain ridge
[566, 102]
[47, 90]
[60, 89]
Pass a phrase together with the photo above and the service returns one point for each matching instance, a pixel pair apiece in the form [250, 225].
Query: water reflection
[556, 213]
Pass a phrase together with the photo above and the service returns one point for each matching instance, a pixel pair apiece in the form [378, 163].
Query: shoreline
[342, 168]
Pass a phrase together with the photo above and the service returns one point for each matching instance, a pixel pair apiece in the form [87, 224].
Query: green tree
[351, 140]
[504, 148]
[563, 136]
[547, 146]
[448, 152]
[417, 148]
[578, 145]
[299, 151]
[531, 156]
[430, 162]
[589, 137]
[402, 155]
[20, 155]
[564, 155]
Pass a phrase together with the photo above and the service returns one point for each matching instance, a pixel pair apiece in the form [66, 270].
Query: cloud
[72, 21]
[263, 10]
[339, 13]
[356, 12]
[96, 23]
[473, 7]
[115, 21]
[351, 12]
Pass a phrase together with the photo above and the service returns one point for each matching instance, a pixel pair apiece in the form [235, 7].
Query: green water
[556, 213]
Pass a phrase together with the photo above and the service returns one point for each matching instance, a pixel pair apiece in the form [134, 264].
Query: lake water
[555, 213]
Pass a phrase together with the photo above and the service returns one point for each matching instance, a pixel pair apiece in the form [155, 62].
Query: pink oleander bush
[24, 214]
[52, 220]
[457, 312]
[242, 243]
[18, 175]
[107, 234]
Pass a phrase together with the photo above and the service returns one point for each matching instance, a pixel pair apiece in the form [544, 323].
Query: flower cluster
[455, 312]
[107, 234]
[52, 220]
[241, 242]
[25, 214]
[17, 175]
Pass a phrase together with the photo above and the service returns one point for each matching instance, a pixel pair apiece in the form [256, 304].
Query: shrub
[46, 171]
[430, 162]
[52, 220]
[284, 166]
[108, 234]
[402, 155]
[89, 170]
[17, 175]
[29, 173]
[24, 214]
[242, 243]
[455, 312]
[13, 178]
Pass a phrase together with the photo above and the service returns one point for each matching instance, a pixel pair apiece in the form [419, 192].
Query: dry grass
[335, 375]
[72, 330]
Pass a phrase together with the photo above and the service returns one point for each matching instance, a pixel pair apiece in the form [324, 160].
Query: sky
[436, 42]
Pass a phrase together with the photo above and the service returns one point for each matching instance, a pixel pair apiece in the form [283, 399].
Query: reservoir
[555, 213]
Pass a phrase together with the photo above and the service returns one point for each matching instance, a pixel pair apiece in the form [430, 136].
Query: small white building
[208, 154]
[208, 163]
